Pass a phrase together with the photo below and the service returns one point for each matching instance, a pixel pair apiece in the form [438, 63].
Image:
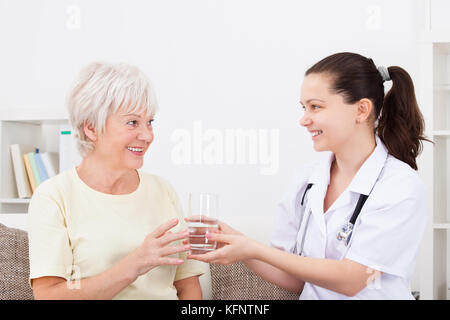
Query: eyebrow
[134, 115]
[313, 99]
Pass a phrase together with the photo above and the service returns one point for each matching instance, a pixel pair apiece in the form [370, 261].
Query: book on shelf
[32, 159]
[50, 161]
[30, 175]
[20, 173]
[40, 166]
[32, 168]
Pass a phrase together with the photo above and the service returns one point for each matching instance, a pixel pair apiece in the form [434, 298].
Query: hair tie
[384, 73]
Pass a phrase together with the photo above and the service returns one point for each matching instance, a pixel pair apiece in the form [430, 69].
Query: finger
[205, 257]
[225, 228]
[214, 230]
[170, 261]
[220, 245]
[197, 257]
[185, 242]
[163, 228]
[170, 237]
[167, 251]
[220, 237]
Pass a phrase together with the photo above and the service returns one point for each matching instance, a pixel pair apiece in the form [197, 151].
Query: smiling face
[125, 139]
[330, 121]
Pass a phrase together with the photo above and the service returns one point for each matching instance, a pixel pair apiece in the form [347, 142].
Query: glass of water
[202, 218]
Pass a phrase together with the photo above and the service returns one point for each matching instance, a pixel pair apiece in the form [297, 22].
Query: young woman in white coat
[350, 225]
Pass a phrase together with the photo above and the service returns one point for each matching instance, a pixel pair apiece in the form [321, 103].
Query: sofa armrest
[14, 265]
[237, 282]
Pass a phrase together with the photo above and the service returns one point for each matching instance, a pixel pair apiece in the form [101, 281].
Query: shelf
[15, 200]
[34, 115]
[441, 94]
[434, 46]
[441, 226]
[442, 87]
[441, 133]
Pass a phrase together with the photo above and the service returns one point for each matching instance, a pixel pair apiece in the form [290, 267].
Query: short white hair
[101, 89]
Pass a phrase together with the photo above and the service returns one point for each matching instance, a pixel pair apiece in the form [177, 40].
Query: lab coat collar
[320, 178]
[368, 174]
[364, 179]
[321, 173]
[362, 183]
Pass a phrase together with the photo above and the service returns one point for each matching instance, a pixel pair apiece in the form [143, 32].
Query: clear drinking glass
[202, 218]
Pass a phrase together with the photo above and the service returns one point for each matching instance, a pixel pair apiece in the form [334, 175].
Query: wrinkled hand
[232, 246]
[155, 249]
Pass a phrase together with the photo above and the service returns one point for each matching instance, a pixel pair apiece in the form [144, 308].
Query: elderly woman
[104, 229]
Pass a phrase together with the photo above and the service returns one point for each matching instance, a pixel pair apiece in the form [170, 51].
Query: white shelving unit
[434, 99]
[36, 127]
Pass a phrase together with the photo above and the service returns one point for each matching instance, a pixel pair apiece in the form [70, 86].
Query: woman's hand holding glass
[156, 249]
[232, 246]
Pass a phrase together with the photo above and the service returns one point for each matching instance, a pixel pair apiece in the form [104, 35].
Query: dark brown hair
[398, 120]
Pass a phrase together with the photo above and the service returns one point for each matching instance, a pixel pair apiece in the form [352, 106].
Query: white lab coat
[386, 235]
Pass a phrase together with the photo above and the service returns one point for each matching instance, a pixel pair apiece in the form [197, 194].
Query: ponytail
[401, 124]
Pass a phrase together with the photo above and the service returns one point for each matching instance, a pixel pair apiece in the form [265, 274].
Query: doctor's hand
[222, 228]
[232, 246]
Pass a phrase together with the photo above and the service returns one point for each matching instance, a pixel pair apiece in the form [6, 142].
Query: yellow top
[76, 232]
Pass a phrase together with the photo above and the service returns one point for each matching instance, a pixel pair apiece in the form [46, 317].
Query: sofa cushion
[237, 282]
[14, 265]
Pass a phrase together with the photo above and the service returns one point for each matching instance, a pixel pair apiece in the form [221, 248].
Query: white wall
[229, 64]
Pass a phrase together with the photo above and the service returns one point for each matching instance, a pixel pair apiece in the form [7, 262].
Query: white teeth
[316, 133]
[135, 149]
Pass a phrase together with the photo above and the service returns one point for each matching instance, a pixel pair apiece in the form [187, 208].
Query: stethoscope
[345, 232]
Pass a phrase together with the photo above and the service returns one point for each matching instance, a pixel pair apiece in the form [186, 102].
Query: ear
[90, 131]
[364, 110]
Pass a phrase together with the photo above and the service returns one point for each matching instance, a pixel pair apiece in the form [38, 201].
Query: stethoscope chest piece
[345, 232]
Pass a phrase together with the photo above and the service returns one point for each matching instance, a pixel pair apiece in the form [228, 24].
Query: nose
[305, 120]
[146, 134]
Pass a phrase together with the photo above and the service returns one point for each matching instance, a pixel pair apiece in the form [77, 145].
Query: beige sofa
[233, 282]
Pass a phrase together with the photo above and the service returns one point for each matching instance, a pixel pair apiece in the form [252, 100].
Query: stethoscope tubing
[345, 233]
